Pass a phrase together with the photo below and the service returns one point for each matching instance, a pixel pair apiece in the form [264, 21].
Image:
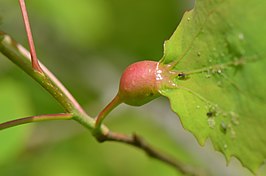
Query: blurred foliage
[78, 40]
[12, 139]
[82, 155]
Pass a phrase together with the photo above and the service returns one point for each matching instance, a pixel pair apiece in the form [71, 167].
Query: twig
[35, 65]
[138, 142]
[20, 56]
[39, 118]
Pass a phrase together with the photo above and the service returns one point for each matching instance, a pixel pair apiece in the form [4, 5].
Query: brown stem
[34, 59]
[138, 142]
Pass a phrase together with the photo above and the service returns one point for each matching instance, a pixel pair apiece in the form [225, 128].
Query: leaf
[14, 103]
[219, 48]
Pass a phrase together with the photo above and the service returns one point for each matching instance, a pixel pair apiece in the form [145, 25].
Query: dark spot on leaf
[182, 76]
[211, 114]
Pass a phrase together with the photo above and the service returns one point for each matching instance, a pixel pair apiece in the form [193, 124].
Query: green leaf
[219, 47]
[14, 104]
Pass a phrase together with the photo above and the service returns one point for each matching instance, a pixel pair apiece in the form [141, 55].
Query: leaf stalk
[35, 64]
[40, 118]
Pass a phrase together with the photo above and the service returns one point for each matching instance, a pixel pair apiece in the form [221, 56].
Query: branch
[138, 142]
[21, 57]
[34, 59]
[39, 118]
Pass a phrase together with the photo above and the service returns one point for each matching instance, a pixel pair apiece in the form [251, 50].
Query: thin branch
[39, 118]
[140, 143]
[20, 56]
[34, 59]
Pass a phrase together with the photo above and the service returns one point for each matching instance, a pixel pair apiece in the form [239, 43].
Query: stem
[34, 59]
[113, 104]
[20, 56]
[98, 129]
[140, 143]
[40, 118]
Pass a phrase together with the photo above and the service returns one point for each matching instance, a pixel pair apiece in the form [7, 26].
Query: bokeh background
[87, 44]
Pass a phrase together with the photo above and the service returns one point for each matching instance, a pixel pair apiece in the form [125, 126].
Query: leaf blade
[223, 98]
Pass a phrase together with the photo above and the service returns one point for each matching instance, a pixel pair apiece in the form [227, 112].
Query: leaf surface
[219, 47]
